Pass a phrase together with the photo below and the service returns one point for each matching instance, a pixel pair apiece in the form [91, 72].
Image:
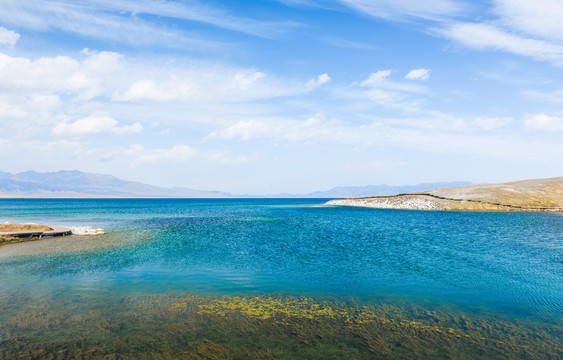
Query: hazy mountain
[77, 183]
[378, 190]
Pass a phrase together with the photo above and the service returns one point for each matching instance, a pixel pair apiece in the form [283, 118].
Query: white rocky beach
[405, 203]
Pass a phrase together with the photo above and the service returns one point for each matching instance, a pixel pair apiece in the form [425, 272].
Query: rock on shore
[391, 202]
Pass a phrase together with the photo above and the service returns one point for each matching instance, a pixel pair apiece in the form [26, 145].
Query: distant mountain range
[78, 184]
[375, 190]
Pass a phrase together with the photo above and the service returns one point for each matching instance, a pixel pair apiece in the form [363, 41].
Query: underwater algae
[300, 283]
[185, 326]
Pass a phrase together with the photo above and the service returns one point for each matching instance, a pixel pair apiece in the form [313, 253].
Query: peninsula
[523, 195]
[13, 233]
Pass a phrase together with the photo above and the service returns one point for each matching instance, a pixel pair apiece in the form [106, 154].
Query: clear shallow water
[499, 263]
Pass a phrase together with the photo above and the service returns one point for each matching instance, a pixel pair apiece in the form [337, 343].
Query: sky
[274, 96]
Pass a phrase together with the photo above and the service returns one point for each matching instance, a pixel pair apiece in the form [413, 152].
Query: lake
[280, 279]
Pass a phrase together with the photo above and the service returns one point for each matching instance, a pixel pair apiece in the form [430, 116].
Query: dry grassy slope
[537, 193]
[9, 227]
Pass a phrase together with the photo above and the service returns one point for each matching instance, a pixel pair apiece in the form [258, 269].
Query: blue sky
[279, 96]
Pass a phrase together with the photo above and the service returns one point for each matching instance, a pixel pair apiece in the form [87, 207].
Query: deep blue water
[508, 262]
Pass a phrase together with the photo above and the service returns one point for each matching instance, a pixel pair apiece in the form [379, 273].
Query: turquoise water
[506, 264]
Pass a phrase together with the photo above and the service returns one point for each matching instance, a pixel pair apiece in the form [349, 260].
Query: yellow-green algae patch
[262, 327]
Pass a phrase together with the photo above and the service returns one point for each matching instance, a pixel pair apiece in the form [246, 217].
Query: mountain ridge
[74, 183]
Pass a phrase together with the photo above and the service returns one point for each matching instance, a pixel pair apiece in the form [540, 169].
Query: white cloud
[348, 44]
[320, 80]
[95, 124]
[401, 9]
[118, 21]
[538, 18]
[380, 80]
[489, 123]
[544, 122]
[45, 92]
[245, 130]
[490, 37]
[527, 28]
[177, 153]
[438, 121]
[24, 117]
[377, 77]
[311, 129]
[387, 98]
[148, 90]
[97, 22]
[85, 78]
[554, 96]
[111, 75]
[8, 37]
[418, 74]
[200, 12]
[42, 153]
[138, 155]
[379, 89]
[397, 133]
[51, 74]
[219, 84]
[35, 106]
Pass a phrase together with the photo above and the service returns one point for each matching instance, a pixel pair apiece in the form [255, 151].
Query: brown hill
[523, 195]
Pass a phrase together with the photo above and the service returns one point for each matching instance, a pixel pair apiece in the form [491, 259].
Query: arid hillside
[524, 195]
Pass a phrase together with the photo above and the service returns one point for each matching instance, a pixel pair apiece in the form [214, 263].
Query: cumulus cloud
[321, 79]
[544, 122]
[95, 124]
[418, 74]
[33, 108]
[375, 164]
[84, 78]
[109, 75]
[41, 93]
[149, 90]
[8, 37]
[205, 84]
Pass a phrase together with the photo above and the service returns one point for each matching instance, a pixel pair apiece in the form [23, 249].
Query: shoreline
[29, 232]
[430, 202]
